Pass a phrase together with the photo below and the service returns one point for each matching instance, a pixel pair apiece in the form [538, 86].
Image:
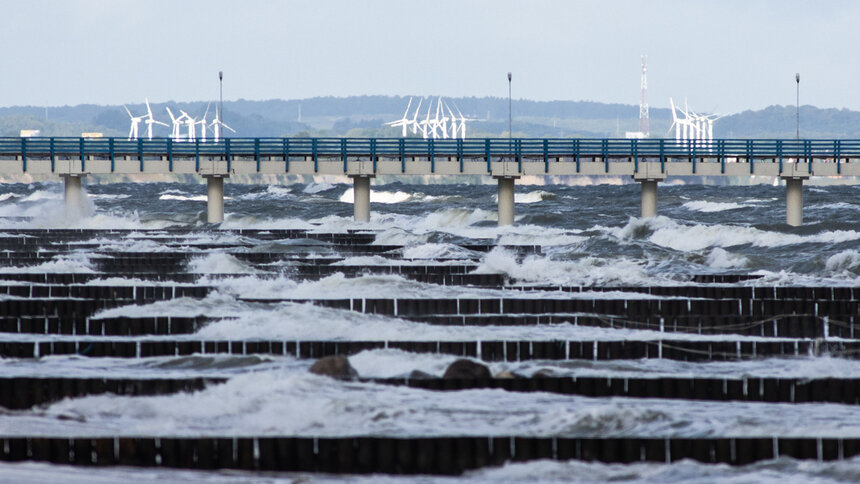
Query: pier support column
[361, 198]
[74, 195]
[215, 199]
[794, 201]
[649, 198]
[506, 200]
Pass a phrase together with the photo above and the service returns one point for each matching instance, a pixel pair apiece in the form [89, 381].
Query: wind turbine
[150, 120]
[676, 123]
[135, 122]
[462, 123]
[202, 124]
[425, 123]
[402, 122]
[441, 123]
[414, 122]
[190, 123]
[217, 125]
[177, 124]
[454, 126]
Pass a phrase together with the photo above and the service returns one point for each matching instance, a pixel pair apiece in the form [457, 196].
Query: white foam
[7, 196]
[588, 270]
[666, 232]
[721, 259]
[219, 263]
[75, 262]
[188, 198]
[846, 262]
[378, 196]
[317, 188]
[436, 251]
[709, 207]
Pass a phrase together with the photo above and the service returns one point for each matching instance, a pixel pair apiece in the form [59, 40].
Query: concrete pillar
[74, 195]
[215, 199]
[649, 198]
[506, 201]
[361, 198]
[794, 201]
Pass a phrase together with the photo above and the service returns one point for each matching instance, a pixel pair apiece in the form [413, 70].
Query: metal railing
[740, 150]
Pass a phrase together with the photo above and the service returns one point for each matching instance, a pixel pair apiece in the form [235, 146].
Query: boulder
[419, 375]
[334, 367]
[464, 368]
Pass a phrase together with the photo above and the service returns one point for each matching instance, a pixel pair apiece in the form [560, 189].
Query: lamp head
[220, 75]
[797, 77]
[509, 77]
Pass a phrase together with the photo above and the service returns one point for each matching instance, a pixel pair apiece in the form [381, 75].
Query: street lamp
[510, 118]
[221, 96]
[797, 108]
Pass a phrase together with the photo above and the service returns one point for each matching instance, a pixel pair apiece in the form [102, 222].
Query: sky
[721, 56]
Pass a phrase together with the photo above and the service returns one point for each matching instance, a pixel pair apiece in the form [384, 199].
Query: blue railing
[484, 148]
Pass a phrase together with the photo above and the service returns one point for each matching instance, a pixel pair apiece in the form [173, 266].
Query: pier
[647, 161]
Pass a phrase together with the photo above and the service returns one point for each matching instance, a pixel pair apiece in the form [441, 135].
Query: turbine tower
[150, 120]
[135, 123]
[644, 121]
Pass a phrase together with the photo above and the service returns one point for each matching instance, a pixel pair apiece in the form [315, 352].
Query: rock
[335, 367]
[419, 375]
[467, 369]
[544, 373]
[504, 374]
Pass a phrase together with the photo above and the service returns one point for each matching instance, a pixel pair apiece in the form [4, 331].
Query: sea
[589, 235]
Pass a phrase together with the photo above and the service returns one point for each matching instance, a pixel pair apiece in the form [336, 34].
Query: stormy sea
[289, 271]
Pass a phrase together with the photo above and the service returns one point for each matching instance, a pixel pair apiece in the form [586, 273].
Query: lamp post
[797, 107]
[221, 96]
[510, 116]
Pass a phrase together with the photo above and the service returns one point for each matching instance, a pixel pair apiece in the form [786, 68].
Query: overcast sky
[721, 55]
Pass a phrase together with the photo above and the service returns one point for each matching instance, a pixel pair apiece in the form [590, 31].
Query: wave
[666, 232]
[313, 188]
[586, 271]
[219, 263]
[189, 198]
[721, 259]
[709, 207]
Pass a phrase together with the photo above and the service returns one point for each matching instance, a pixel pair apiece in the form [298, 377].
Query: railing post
[110, 148]
[24, 154]
[286, 142]
[487, 149]
[401, 147]
[53, 155]
[808, 144]
[721, 150]
[460, 153]
[750, 157]
[197, 155]
[693, 155]
[314, 153]
[227, 152]
[257, 152]
[546, 155]
[431, 151]
[140, 153]
[373, 153]
[634, 145]
[837, 148]
[518, 147]
[779, 154]
[662, 156]
[605, 148]
[343, 153]
[576, 153]
[169, 154]
[83, 156]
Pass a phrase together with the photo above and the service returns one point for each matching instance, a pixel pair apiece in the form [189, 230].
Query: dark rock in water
[467, 369]
[419, 375]
[335, 367]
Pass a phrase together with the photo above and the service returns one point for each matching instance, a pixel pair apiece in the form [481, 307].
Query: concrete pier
[649, 198]
[215, 199]
[506, 200]
[794, 201]
[361, 198]
[74, 195]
